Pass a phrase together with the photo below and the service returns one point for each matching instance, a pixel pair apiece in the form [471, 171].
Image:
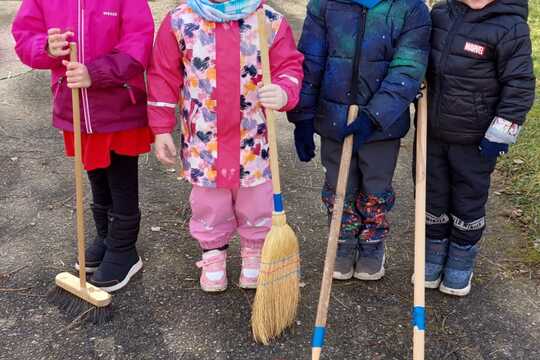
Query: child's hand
[165, 149]
[57, 44]
[77, 75]
[273, 97]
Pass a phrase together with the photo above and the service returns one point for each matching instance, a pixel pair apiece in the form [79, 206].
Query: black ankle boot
[121, 261]
[96, 250]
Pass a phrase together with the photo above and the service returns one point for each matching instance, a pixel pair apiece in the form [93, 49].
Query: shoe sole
[214, 289]
[132, 272]
[456, 292]
[430, 284]
[340, 276]
[370, 277]
[89, 269]
[248, 286]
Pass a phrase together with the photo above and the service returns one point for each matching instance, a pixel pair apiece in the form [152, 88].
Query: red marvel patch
[475, 49]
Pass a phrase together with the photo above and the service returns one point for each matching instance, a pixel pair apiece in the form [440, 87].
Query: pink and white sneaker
[251, 265]
[214, 271]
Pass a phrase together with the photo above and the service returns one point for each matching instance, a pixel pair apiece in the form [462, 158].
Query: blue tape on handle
[318, 337]
[278, 203]
[419, 317]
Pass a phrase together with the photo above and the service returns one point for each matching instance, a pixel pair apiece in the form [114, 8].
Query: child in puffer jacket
[374, 54]
[114, 39]
[207, 53]
[481, 89]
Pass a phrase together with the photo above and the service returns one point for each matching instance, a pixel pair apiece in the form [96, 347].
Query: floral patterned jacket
[215, 69]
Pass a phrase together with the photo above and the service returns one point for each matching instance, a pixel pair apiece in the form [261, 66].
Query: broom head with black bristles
[88, 302]
[278, 290]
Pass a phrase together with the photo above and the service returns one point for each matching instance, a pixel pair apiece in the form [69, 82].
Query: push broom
[74, 295]
[278, 289]
[335, 226]
[419, 312]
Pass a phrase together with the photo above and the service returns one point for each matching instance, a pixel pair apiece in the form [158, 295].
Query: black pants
[458, 181]
[118, 185]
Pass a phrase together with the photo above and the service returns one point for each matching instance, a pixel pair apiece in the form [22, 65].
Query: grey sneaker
[370, 262]
[344, 266]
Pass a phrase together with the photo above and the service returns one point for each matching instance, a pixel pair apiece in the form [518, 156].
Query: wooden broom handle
[335, 226]
[270, 115]
[420, 220]
[79, 192]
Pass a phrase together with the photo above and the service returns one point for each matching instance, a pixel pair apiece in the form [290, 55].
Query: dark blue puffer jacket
[390, 44]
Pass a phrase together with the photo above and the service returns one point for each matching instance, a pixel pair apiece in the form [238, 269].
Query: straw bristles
[278, 290]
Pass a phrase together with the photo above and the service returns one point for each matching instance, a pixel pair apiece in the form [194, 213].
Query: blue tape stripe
[318, 337]
[278, 203]
[419, 317]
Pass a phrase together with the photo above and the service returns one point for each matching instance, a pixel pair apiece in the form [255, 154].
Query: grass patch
[521, 168]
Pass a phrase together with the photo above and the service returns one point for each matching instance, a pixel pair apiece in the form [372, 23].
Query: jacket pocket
[130, 93]
[61, 100]
[484, 115]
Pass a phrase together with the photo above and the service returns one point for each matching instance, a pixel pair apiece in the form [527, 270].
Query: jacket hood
[500, 7]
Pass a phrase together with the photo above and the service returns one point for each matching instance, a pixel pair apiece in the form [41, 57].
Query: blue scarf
[230, 10]
[367, 3]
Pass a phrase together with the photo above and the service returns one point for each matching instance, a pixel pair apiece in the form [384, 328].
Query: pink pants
[218, 213]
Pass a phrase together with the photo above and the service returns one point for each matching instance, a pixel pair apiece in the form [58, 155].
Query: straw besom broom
[73, 295]
[278, 290]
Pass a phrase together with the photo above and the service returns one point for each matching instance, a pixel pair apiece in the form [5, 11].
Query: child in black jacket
[481, 89]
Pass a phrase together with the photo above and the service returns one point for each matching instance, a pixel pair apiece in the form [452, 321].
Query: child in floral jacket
[207, 54]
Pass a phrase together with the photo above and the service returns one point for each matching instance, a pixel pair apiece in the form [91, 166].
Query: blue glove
[303, 140]
[489, 149]
[362, 128]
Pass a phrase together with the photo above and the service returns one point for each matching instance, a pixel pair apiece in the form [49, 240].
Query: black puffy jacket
[480, 67]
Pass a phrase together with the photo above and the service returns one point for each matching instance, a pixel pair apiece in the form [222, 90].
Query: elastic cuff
[211, 245]
[251, 243]
[161, 130]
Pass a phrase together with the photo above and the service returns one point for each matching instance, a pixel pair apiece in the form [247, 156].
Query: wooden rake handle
[335, 227]
[79, 191]
[420, 228]
[270, 114]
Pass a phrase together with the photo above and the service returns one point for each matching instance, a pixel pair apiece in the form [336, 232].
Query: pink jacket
[215, 69]
[114, 40]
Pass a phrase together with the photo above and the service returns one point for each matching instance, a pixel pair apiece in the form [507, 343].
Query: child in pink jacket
[207, 54]
[114, 39]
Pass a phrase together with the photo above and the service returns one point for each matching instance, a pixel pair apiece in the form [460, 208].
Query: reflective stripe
[436, 220]
[293, 79]
[162, 104]
[472, 226]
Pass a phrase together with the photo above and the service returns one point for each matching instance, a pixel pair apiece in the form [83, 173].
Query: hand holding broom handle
[419, 312]
[335, 227]
[78, 174]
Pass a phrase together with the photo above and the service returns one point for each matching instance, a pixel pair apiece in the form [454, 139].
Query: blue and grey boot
[436, 253]
[370, 261]
[346, 256]
[458, 271]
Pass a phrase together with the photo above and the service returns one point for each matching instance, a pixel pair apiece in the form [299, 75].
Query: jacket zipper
[82, 59]
[58, 85]
[357, 55]
[131, 94]
[444, 60]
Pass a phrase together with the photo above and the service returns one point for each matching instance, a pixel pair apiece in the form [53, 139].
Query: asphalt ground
[164, 315]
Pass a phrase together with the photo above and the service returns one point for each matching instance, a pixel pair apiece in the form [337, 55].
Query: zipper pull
[131, 95]
[58, 85]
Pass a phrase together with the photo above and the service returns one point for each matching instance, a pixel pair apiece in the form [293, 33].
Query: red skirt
[96, 148]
